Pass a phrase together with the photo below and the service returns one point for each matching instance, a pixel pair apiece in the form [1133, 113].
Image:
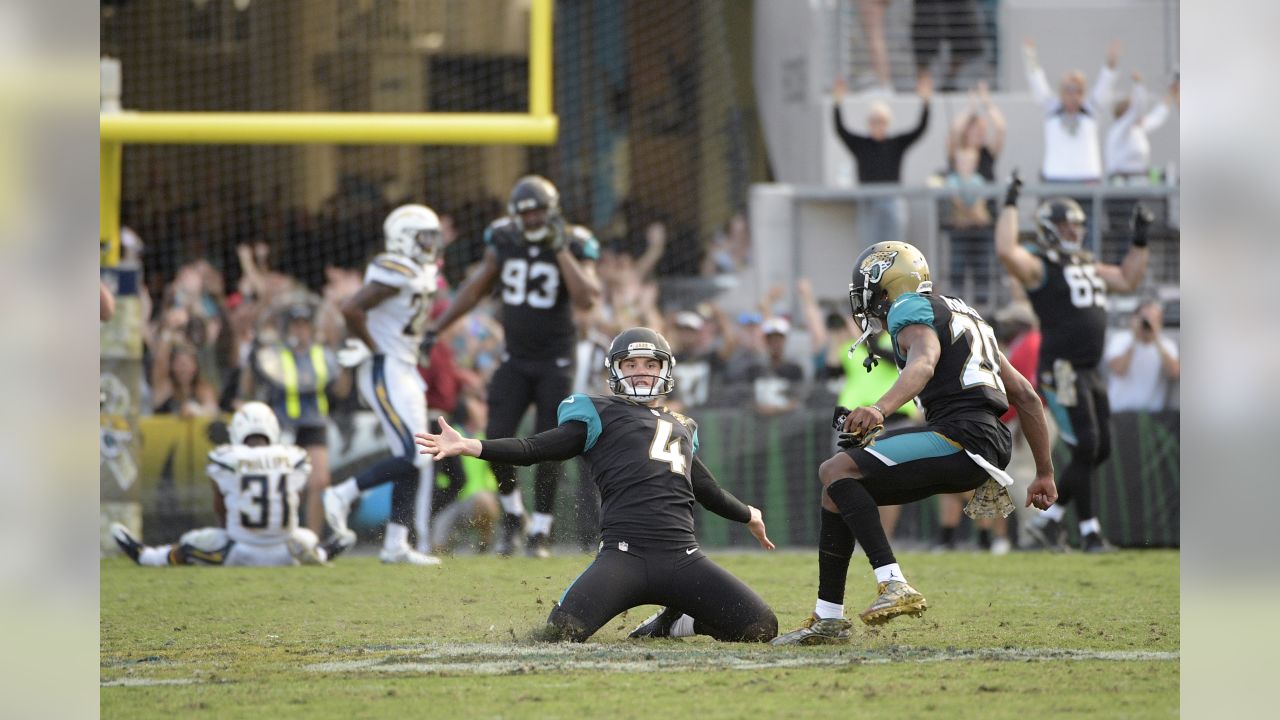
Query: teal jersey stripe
[1065, 430]
[912, 446]
[909, 309]
[579, 407]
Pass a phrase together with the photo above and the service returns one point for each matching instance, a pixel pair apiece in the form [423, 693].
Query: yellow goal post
[538, 126]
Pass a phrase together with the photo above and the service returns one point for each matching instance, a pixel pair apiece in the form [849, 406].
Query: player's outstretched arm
[1017, 260]
[559, 443]
[1127, 276]
[1042, 492]
[711, 496]
[473, 289]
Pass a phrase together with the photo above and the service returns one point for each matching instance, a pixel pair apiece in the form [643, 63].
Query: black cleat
[1095, 543]
[512, 531]
[129, 545]
[1050, 535]
[337, 545]
[538, 546]
[658, 625]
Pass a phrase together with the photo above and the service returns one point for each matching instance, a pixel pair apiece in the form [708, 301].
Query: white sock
[885, 573]
[397, 535]
[1090, 526]
[682, 627]
[540, 524]
[511, 503]
[824, 609]
[155, 556]
[1055, 513]
[347, 490]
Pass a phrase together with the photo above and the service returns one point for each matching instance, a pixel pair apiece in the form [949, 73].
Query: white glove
[353, 353]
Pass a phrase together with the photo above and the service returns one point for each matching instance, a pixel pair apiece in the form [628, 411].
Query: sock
[397, 535]
[1090, 526]
[1055, 513]
[155, 556]
[835, 546]
[984, 538]
[682, 627]
[948, 536]
[885, 573]
[861, 514]
[512, 504]
[824, 609]
[540, 524]
[348, 490]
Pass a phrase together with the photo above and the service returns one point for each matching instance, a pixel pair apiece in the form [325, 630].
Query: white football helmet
[254, 418]
[413, 231]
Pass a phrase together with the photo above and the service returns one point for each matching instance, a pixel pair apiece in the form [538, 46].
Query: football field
[1023, 635]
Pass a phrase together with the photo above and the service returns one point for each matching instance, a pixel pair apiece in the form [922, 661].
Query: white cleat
[335, 513]
[406, 555]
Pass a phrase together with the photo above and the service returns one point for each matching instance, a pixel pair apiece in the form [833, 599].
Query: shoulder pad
[909, 309]
[224, 456]
[396, 263]
[297, 456]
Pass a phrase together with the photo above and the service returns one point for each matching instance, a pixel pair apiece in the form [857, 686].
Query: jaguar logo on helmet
[877, 263]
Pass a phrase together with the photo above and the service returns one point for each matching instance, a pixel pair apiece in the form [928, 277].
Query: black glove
[428, 342]
[870, 361]
[557, 234]
[1014, 189]
[1142, 219]
[851, 440]
[838, 418]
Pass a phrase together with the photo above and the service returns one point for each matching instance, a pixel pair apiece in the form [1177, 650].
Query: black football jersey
[640, 458]
[965, 397]
[536, 315]
[1071, 302]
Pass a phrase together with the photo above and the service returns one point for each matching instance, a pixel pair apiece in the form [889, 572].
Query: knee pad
[562, 626]
[763, 629]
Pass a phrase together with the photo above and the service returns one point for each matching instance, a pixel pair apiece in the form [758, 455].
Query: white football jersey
[260, 486]
[398, 323]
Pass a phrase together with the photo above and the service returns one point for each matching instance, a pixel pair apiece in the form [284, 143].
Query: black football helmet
[534, 192]
[1055, 212]
[640, 342]
[881, 274]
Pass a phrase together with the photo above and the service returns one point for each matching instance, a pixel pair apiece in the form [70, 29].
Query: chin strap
[873, 327]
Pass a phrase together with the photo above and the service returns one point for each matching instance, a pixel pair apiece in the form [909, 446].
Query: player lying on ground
[256, 483]
[642, 457]
[947, 356]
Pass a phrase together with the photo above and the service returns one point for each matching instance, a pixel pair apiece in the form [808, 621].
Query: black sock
[984, 538]
[404, 495]
[948, 536]
[835, 546]
[392, 469]
[860, 512]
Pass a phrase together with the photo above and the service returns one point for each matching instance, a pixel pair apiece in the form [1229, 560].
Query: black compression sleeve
[715, 498]
[559, 443]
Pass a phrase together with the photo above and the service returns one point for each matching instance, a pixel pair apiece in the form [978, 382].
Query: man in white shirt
[1072, 151]
[1141, 362]
[1128, 149]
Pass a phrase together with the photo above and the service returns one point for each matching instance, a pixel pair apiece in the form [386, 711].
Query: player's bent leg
[612, 583]
[204, 546]
[720, 604]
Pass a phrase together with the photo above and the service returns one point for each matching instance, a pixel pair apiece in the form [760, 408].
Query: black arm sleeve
[909, 139]
[852, 141]
[711, 496]
[559, 443]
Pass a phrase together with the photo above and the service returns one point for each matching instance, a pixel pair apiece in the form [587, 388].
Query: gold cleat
[815, 631]
[896, 598]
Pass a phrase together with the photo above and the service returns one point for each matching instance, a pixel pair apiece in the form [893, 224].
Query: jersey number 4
[261, 500]
[516, 276]
[983, 365]
[667, 450]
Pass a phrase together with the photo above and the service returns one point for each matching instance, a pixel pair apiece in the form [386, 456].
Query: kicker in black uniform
[544, 266]
[948, 358]
[1068, 290]
[643, 458]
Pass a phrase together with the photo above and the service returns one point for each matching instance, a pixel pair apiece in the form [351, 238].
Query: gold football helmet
[882, 273]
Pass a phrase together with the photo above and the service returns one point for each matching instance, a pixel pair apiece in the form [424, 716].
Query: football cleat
[129, 545]
[335, 513]
[338, 544]
[538, 546]
[1048, 534]
[1095, 543]
[304, 553]
[512, 531]
[658, 625]
[896, 598]
[817, 631]
[405, 555]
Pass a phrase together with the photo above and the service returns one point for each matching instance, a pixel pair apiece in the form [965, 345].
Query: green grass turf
[1004, 637]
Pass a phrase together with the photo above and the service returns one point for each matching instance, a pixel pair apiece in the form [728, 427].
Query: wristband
[880, 410]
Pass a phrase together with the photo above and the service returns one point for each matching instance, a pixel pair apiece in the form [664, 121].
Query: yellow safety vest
[289, 368]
